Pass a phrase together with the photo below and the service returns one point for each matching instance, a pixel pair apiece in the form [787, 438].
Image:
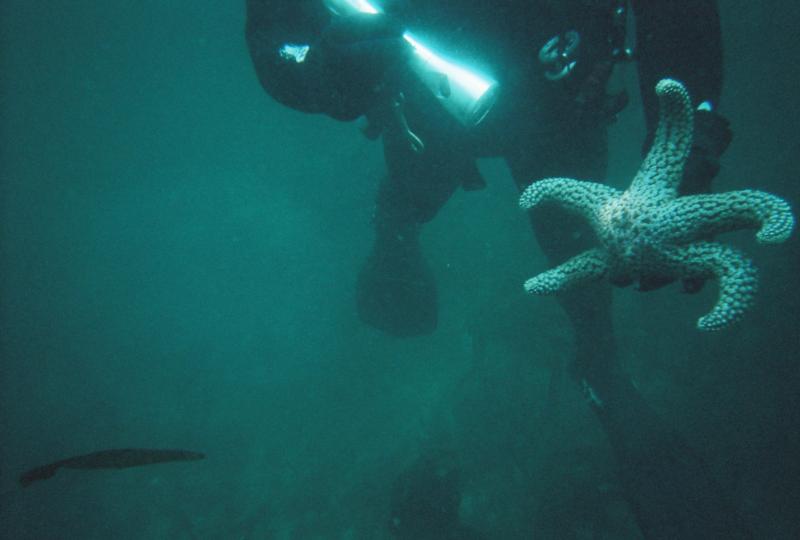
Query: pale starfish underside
[649, 234]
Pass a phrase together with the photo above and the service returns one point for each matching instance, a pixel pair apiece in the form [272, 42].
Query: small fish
[109, 459]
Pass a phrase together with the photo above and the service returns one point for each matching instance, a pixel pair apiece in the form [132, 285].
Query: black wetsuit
[542, 128]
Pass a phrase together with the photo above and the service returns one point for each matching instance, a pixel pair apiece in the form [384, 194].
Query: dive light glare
[344, 7]
[464, 92]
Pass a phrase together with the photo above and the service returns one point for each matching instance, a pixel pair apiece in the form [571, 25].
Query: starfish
[650, 235]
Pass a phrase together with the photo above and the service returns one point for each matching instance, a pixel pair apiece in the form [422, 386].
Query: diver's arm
[312, 61]
[679, 39]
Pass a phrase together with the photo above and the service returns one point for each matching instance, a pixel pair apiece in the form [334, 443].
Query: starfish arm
[580, 197]
[662, 169]
[688, 218]
[737, 276]
[589, 266]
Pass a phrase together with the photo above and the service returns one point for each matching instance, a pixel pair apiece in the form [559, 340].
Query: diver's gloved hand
[353, 56]
[712, 136]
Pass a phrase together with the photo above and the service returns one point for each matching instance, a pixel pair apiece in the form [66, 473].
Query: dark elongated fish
[109, 459]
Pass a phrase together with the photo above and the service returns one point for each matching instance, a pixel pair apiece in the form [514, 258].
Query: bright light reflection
[471, 82]
[346, 7]
[365, 7]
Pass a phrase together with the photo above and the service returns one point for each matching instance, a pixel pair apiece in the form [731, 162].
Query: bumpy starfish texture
[651, 236]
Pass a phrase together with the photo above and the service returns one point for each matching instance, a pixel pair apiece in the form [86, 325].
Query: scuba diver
[443, 83]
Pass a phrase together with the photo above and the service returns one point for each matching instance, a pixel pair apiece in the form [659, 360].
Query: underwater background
[178, 257]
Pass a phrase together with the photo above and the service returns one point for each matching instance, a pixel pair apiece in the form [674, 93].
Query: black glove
[353, 56]
[712, 135]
